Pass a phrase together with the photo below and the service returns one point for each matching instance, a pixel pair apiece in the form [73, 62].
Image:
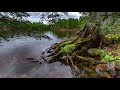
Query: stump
[76, 50]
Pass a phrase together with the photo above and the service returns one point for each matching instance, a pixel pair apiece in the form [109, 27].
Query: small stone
[109, 66]
[97, 70]
[113, 72]
[64, 57]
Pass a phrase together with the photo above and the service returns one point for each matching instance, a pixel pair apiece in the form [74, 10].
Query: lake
[13, 54]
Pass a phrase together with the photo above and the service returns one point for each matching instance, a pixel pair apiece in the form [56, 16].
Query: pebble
[110, 66]
[64, 57]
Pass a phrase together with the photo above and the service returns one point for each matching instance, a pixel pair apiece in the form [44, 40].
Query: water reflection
[14, 52]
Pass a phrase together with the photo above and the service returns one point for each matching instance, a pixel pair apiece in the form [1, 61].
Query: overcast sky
[36, 18]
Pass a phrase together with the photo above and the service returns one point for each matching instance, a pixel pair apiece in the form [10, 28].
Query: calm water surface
[13, 53]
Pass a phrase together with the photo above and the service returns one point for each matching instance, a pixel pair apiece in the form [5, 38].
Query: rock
[64, 57]
[76, 71]
[113, 72]
[110, 66]
[118, 74]
[98, 70]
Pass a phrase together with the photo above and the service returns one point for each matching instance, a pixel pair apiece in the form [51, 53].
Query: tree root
[87, 38]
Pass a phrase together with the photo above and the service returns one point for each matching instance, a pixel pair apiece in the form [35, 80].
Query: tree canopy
[51, 17]
[99, 17]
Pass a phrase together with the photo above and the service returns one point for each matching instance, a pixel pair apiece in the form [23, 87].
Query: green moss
[93, 51]
[113, 38]
[102, 53]
[68, 49]
[81, 57]
[61, 46]
[80, 41]
[108, 58]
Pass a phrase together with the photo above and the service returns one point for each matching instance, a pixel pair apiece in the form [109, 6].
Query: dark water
[13, 53]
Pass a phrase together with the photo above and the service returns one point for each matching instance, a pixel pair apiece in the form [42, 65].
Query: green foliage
[70, 23]
[109, 22]
[111, 27]
[98, 18]
[83, 21]
[107, 57]
[103, 55]
[14, 15]
[7, 26]
[6, 34]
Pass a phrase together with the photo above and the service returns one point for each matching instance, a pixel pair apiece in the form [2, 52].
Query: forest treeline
[108, 22]
[70, 23]
[9, 27]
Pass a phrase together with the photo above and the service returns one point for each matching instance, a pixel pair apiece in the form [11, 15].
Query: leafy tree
[14, 15]
[98, 18]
